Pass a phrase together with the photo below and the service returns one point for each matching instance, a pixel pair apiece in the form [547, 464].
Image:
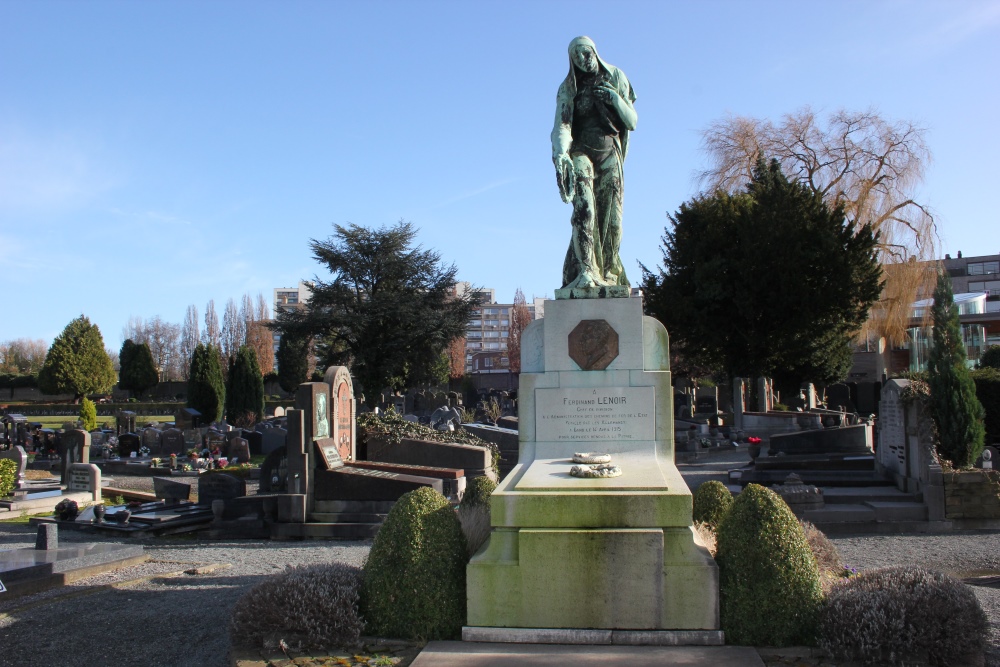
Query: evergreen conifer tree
[77, 362]
[206, 390]
[956, 410]
[138, 370]
[293, 361]
[245, 391]
[88, 414]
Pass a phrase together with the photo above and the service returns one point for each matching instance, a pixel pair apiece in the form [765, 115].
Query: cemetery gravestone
[239, 450]
[85, 478]
[172, 442]
[151, 440]
[74, 448]
[128, 443]
[192, 439]
[272, 439]
[342, 389]
[219, 486]
[20, 458]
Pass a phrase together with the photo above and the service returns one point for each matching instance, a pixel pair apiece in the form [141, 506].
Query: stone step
[840, 513]
[858, 495]
[344, 531]
[898, 511]
[346, 517]
[357, 506]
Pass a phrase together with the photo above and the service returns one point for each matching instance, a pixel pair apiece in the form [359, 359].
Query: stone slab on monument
[601, 553]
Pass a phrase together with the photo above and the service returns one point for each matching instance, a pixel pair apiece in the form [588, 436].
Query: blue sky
[160, 154]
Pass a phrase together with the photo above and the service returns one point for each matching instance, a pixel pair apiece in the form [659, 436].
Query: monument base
[599, 555]
[601, 292]
[594, 637]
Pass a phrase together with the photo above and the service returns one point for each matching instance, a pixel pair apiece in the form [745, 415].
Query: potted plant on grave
[754, 447]
[193, 455]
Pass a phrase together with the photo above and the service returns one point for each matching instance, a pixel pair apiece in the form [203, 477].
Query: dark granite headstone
[219, 486]
[151, 438]
[838, 397]
[128, 443]
[273, 439]
[172, 442]
[166, 489]
[74, 447]
[239, 449]
[255, 440]
[47, 538]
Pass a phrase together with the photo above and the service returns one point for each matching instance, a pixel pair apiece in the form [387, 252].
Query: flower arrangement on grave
[192, 453]
[222, 462]
[155, 462]
[144, 451]
[214, 452]
[67, 510]
[173, 460]
[753, 440]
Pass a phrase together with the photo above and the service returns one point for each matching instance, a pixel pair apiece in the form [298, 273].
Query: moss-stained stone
[615, 553]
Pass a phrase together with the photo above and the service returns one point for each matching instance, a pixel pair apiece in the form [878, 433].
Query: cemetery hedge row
[988, 391]
[10, 381]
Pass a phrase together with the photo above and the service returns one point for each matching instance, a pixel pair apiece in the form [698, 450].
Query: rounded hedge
[314, 604]
[712, 501]
[769, 585]
[414, 579]
[478, 492]
[8, 476]
[902, 615]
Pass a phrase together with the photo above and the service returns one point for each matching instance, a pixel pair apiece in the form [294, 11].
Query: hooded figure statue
[594, 115]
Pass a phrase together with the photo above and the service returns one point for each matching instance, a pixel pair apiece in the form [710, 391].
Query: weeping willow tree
[860, 161]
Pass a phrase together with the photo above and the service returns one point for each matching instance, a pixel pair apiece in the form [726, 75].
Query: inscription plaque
[329, 453]
[79, 480]
[587, 414]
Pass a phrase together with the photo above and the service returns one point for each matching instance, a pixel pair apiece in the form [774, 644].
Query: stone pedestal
[616, 553]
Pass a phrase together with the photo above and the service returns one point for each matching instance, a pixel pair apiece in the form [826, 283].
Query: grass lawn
[57, 422]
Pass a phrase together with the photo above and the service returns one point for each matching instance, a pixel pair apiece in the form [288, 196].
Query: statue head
[583, 54]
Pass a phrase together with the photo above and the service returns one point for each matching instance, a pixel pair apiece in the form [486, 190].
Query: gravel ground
[135, 617]
[149, 615]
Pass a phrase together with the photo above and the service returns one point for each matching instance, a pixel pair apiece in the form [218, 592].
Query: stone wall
[972, 494]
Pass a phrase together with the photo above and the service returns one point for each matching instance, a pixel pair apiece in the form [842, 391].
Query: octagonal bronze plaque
[593, 345]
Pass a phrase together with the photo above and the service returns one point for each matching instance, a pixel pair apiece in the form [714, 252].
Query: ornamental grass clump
[312, 605]
[769, 585]
[712, 501]
[902, 615]
[831, 566]
[414, 579]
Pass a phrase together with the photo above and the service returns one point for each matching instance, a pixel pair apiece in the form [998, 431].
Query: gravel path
[118, 619]
[151, 615]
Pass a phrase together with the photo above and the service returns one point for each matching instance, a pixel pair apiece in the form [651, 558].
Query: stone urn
[99, 512]
[122, 516]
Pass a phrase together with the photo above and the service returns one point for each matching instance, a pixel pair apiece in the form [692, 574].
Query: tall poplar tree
[957, 412]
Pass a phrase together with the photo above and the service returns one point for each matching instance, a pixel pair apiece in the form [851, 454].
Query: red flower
[753, 440]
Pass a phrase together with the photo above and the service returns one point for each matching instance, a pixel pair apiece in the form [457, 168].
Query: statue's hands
[606, 94]
[565, 176]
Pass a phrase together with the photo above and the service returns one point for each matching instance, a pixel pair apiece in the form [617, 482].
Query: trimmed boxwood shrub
[902, 615]
[414, 578]
[8, 476]
[769, 585]
[478, 492]
[313, 604]
[712, 501]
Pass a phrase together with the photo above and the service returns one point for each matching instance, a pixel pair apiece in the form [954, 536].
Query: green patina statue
[594, 115]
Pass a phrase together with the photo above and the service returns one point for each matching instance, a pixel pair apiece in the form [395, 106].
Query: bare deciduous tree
[163, 339]
[22, 356]
[233, 331]
[190, 337]
[520, 317]
[860, 160]
[213, 334]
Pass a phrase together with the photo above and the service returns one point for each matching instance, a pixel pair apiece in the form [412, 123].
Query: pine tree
[77, 362]
[957, 412]
[245, 391]
[206, 390]
[138, 370]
